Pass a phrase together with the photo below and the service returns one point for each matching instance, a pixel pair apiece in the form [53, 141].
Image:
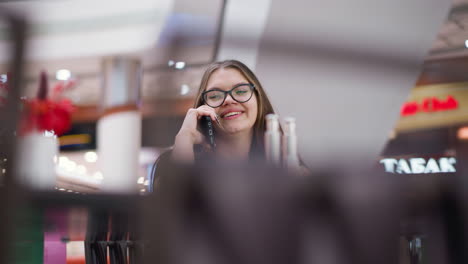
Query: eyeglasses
[241, 93]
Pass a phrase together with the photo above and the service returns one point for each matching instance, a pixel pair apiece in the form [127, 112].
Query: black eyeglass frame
[252, 88]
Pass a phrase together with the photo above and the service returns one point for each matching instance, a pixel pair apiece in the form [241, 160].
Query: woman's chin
[231, 130]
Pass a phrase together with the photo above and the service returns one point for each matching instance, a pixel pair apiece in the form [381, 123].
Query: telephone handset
[206, 126]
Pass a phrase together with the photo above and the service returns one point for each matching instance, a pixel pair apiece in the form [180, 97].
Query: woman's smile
[231, 115]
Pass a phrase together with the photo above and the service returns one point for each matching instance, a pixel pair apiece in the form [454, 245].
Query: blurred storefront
[429, 141]
[433, 121]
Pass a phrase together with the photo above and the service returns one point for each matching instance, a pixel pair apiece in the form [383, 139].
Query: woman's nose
[228, 100]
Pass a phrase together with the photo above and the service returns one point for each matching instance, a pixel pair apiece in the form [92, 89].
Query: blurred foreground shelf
[68, 199]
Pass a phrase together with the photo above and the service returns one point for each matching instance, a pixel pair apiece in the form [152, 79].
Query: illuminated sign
[429, 105]
[74, 139]
[419, 165]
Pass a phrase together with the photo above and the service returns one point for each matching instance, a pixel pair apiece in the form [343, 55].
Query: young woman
[231, 95]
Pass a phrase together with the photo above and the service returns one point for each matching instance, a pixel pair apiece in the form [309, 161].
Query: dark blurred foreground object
[229, 213]
[14, 28]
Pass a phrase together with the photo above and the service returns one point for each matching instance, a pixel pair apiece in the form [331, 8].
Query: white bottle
[290, 157]
[272, 140]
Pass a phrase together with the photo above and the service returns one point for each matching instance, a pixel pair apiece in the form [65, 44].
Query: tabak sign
[419, 165]
[428, 105]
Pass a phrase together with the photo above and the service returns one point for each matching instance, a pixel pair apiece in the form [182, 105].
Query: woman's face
[235, 117]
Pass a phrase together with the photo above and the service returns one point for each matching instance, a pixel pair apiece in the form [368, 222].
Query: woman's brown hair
[264, 105]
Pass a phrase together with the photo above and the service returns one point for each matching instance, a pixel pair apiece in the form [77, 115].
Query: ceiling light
[141, 180]
[81, 169]
[466, 43]
[98, 175]
[63, 75]
[180, 65]
[170, 63]
[90, 156]
[184, 89]
[62, 161]
[3, 78]
[70, 165]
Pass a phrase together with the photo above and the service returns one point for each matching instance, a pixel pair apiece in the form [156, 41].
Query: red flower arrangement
[47, 114]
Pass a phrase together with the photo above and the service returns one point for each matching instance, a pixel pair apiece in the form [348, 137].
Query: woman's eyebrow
[243, 82]
[215, 87]
[212, 88]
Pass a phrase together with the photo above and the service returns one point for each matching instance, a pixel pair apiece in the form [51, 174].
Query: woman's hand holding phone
[189, 134]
